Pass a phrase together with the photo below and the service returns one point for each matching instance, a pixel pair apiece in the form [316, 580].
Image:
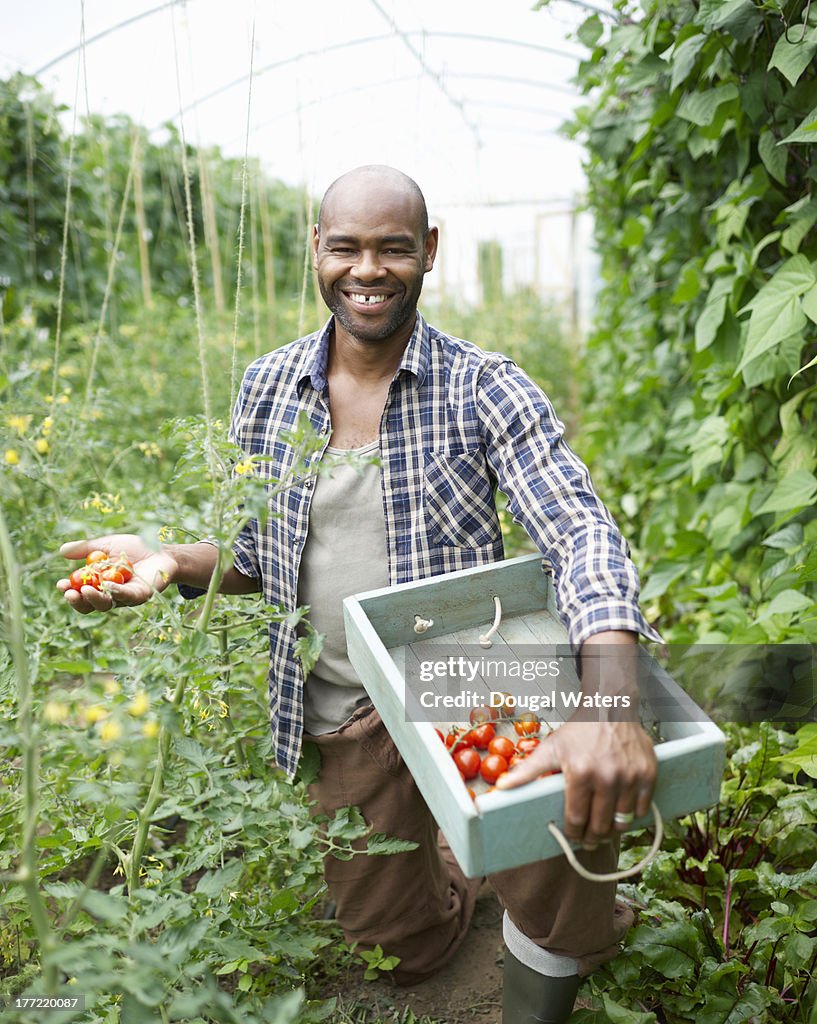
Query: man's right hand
[152, 572]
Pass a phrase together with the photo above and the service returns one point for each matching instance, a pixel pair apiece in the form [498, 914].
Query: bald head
[375, 182]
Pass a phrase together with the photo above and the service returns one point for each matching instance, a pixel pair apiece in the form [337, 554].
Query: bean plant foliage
[700, 131]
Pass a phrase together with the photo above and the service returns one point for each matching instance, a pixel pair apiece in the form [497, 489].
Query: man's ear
[430, 248]
[316, 240]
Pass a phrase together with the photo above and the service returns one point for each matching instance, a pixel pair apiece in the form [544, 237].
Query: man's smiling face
[371, 251]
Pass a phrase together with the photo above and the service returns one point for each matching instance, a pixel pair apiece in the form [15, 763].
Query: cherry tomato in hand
[492, 767]
[86, 577]
[125, 566]
[503, 746]
[112, 575]
[468, 762]
[97, 556]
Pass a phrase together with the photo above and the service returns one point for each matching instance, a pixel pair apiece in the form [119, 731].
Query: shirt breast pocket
[459, 499]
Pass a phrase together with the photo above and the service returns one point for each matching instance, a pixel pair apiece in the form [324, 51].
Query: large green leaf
[795, 491]
[683, 59]
[787, 602]
[806, 131]
[793, 52]
[701, 107]
[663, 575]
[774, 157]
[776, 309]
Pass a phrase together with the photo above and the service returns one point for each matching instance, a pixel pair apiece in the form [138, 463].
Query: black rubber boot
[532, 998]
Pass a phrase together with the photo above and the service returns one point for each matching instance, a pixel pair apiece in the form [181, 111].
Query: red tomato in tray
[527, 725]
[481, 735]
[484, 714]
[460, 737]
[492, 767]
[503, 746]
[468, 762]
[527, 744]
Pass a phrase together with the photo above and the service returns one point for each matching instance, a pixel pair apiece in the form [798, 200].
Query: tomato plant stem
[27, 874]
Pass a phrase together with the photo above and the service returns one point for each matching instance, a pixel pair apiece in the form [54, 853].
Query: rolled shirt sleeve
[551, 495]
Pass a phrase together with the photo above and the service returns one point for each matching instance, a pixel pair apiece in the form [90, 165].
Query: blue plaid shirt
[458, 423]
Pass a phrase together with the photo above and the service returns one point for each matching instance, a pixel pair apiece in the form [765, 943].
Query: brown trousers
[418, 905]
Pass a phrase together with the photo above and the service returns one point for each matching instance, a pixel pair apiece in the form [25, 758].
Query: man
[449, 423]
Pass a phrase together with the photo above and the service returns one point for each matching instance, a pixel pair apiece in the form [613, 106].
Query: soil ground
[468, 990]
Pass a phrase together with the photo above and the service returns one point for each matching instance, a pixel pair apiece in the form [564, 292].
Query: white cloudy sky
[336, 85]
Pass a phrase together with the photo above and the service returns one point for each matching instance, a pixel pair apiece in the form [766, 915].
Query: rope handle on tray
[612, 876]
[485, 638]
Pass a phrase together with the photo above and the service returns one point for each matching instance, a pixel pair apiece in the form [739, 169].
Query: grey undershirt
[345, 553]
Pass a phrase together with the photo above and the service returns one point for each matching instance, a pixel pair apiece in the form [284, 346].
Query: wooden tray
[505, 829]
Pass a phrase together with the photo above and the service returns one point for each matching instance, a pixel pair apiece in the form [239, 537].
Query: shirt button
[308, 483]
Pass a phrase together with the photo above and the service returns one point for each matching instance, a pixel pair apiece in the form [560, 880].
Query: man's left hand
[609, 768]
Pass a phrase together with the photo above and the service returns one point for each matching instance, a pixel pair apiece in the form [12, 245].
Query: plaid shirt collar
[414, 360]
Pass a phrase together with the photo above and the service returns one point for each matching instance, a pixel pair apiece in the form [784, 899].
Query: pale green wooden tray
[503, 829]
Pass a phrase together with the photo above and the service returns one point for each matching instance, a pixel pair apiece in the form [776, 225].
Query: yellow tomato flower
[150, 730]
[12, 458]
[48, 423]
[140, 704]
[94, 713]
[55, 711]
[244, 467]
[111, 687]
[110, 731]
[18, 423]
[41, 445]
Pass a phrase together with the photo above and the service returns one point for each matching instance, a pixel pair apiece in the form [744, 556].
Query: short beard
[403, 314]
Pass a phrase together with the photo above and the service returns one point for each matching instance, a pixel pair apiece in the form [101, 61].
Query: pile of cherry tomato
[101, 568]
[500, 752]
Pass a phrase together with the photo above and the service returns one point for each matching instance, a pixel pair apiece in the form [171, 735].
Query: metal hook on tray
[485, 638]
